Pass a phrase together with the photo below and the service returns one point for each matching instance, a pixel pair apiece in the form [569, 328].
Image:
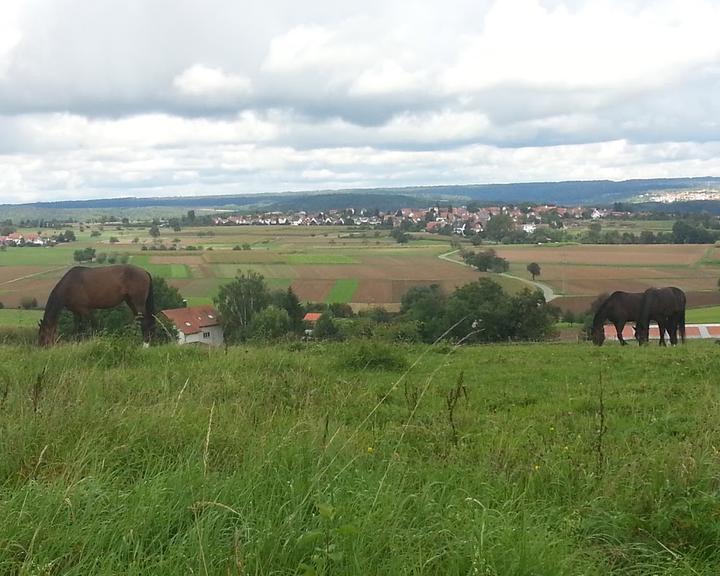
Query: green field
[38, 256]
[706, 315]
[15, 317]
[343, 291]
[294, 459]
[167, 271]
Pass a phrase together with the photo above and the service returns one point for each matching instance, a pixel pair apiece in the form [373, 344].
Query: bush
[325, 327]
[341, 310]
[270, 323]
[399, 332]
[374, 355]
[2, 305]
[28, 302]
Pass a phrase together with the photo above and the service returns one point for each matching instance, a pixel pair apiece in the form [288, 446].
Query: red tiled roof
[312, 316]
[192, 320]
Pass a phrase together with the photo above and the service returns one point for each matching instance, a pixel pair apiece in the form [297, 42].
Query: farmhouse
[197, 324]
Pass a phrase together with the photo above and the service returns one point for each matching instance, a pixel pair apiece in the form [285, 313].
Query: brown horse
[667, 307]
[619, 308]
[84, 289]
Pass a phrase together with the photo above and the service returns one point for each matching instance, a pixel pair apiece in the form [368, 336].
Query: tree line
[480, 311]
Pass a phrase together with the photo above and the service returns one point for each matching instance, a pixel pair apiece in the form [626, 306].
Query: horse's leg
[672, 331]
[661, 328]
[619, 328]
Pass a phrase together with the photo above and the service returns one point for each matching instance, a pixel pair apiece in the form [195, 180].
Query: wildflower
[536, 467]
[370, 450]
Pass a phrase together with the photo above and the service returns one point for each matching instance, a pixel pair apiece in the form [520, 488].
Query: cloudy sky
[110, 98]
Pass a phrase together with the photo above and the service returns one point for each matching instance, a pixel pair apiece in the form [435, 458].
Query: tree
[426, 306]
[270, 323]
[288, 301]
[325, 327]
[239, 301]
[154, 231]
[534, 269]
[341, 310]
[400, 236]
[499, 226]
[84, 255]
[486, 261]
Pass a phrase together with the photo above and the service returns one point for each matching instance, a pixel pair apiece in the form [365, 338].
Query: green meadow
[359, 458]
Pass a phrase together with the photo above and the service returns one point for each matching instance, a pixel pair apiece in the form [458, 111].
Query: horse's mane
[54, 303]
[601, 312]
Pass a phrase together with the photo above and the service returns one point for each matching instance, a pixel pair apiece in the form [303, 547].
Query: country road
[547, 291]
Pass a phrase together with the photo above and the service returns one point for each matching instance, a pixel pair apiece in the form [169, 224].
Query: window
[206, 334]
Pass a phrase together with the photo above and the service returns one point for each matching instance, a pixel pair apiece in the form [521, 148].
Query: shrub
[400, 332]
[374, 355]
[270, 323]
[325, 327]
[28, 302]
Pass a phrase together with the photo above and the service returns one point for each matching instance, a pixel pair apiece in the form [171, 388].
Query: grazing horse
[83, 289]
[619, 308]
[667, 307]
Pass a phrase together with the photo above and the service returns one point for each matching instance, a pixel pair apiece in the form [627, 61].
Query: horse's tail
[150, 303]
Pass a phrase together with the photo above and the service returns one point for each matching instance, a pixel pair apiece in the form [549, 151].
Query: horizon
[393, 190]
[150, 99]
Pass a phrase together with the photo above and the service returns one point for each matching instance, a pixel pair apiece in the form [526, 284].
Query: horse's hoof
[146, 344]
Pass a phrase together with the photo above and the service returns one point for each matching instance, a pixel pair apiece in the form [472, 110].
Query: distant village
[467, 220]
[461, 220]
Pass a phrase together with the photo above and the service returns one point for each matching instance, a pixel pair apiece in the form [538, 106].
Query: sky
[114, 98]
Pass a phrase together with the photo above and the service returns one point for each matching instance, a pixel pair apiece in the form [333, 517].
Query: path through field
[31, 275]
[547, 291]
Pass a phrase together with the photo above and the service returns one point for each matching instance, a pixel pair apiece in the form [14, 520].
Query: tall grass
[290, 460]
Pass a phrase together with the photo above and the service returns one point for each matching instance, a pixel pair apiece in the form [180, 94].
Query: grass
[289, 459]
[168, 271]
[37, 256]
[320, 258]
[16, 317]
[707, 314]
[342, 291]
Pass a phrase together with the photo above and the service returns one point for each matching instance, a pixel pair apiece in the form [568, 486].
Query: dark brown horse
[83, 290]
[619, 308]
[666, 306]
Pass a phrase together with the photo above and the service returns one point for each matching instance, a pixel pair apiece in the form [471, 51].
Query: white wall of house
[211, 335]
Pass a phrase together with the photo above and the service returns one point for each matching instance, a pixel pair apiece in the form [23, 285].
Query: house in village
[196, 325]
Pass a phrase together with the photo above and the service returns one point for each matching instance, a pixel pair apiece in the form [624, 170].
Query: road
[547, 291]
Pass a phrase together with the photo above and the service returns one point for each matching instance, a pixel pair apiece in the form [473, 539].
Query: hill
[599, 192]
[533, 459]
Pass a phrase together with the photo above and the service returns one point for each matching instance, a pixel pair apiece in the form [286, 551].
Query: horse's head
[642, 333]
[46, 333]
[598, 335]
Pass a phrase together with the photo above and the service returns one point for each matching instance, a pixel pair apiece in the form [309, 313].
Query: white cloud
[386, 78]
[158, 97]
[600, 44]
[205, 81]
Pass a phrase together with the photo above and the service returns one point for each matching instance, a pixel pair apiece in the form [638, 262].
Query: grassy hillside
[354, 459]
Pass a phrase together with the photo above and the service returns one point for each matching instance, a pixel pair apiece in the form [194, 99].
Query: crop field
[326, 264]
[363, 267]
[360, 458]
[580, 272]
